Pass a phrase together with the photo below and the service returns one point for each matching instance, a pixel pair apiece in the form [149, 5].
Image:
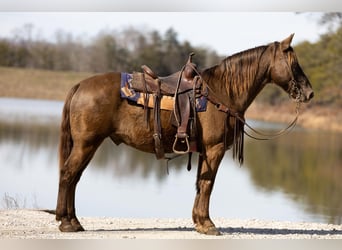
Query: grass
[17, 202]
[37, 84]
[54, 85]
[10, 202]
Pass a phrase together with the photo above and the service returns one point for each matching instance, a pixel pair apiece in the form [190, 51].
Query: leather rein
[238, 140]
[259, 135]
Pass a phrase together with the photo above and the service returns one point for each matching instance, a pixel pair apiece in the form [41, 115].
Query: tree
[331, 18]
[108, 51]
[6, 53]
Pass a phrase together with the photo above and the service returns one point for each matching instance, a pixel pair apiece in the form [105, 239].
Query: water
[293, 178]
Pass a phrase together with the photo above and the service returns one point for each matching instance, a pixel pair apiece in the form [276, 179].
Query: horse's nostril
[311, 95]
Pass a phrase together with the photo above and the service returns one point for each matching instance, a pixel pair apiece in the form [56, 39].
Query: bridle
[258, 135]
[294, 90]
[240, 122]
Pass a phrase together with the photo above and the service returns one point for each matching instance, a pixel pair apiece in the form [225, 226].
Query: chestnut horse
[94, 110]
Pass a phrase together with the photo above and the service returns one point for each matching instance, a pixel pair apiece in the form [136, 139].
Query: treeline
[108, 51]
[322, 63]
[164, 53]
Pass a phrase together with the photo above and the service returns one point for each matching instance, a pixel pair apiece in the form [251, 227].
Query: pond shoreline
[310, 117]
[36, 224]
[54, 85]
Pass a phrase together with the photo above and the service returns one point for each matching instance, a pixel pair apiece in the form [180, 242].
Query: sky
[225, 32]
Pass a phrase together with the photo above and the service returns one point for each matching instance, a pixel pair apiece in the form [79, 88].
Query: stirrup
[183, 140]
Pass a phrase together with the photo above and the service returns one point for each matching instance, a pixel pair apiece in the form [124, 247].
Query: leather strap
[157, 126]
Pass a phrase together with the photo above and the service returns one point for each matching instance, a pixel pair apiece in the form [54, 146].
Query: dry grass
[54, 85]
[37, 84]
[313, 117]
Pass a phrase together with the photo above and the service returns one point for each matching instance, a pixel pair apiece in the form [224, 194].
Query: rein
[240, 122]
[259, 135]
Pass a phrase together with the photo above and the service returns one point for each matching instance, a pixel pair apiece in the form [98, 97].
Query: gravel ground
[33, 224]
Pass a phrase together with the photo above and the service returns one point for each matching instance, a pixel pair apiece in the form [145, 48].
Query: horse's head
[286, 72]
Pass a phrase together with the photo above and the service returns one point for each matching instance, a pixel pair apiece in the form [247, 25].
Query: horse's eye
[285, 56]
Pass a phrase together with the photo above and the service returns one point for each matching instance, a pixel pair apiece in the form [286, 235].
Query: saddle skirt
[166, 102]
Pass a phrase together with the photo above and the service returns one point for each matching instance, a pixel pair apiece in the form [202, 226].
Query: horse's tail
[65, 139]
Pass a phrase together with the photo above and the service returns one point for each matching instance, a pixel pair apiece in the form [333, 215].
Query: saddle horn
[190, 57]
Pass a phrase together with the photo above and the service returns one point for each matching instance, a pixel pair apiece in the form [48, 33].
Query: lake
[296, 177]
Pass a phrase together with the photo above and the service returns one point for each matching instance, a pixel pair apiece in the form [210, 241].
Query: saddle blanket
[167, 102]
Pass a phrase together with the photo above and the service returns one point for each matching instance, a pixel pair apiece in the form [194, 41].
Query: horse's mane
[235, 75]
[238, 71]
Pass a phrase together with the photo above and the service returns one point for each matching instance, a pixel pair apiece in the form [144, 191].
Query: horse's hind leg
[70, 174]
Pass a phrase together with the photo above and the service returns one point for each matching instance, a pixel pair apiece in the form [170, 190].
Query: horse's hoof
[76, 225]
[66, 226]
[78, 228]
[213, 231]
[208, 231]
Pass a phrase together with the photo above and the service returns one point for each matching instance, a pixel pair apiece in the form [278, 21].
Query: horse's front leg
[206, 173]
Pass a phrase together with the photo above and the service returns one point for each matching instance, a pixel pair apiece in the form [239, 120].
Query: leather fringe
[238, 140]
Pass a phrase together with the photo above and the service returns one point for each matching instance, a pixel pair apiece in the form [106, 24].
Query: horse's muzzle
[308, 95]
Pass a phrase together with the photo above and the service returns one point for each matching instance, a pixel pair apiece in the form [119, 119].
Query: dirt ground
[34, 224]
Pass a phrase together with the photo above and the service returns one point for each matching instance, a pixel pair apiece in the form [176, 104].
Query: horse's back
[100, 86]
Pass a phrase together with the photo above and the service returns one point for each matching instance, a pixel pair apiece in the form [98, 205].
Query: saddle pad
[167, 102]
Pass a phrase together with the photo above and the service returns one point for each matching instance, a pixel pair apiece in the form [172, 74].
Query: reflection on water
[296, 177]
[308, 166]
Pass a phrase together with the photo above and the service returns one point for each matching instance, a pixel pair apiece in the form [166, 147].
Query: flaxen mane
[238, 74]
[241, 70]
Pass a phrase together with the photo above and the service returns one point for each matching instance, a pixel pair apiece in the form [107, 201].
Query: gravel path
[33, 224]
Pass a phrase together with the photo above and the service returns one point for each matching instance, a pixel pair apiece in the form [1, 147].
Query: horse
[93, 110]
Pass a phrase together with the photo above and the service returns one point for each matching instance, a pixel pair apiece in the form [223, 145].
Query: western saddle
[183, 86]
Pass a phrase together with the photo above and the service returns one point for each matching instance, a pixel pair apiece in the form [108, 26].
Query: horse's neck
[238, 98]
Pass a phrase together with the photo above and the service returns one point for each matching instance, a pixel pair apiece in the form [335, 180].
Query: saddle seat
[183, 79]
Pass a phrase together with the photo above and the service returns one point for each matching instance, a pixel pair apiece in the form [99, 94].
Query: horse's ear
[286, 43]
